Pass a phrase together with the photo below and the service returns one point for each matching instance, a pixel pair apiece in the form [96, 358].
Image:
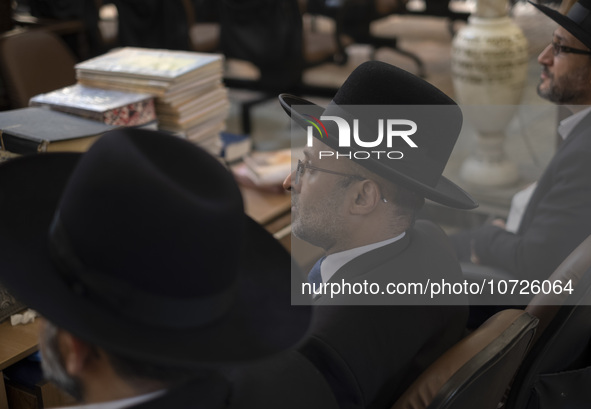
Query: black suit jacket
[370, 354]
[208, 393]
[556, 220]
[287, 381]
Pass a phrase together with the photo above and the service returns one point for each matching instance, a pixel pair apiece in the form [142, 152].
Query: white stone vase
[489, 68]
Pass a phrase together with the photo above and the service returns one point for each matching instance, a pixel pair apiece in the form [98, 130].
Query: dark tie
[314, 276]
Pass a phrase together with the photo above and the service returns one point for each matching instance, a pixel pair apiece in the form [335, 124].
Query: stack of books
[71, 119]
[190, 99]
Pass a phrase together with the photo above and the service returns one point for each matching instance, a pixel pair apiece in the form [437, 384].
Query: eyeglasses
[303, 166]
[558, 48]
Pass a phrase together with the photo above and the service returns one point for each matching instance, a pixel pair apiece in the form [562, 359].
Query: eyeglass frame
[303, 166]
[559, 48]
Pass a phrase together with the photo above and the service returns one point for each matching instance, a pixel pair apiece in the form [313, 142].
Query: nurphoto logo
[388, 129]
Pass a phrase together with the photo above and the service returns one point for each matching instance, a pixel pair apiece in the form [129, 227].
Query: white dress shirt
[333, 262]
[119, 404]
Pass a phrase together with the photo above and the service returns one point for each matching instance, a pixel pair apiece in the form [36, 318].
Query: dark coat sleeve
[556, 221]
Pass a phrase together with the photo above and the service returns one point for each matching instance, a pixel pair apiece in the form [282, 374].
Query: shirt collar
[121, 403]
[333, 262]
[568, 124]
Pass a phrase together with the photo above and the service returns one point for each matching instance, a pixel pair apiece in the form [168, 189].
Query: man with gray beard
[359, 205]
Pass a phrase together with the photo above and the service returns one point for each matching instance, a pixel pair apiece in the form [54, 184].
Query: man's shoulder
[580, 136]
[429, 230]
[571, 154]
[393, 274]
[429, 254]
[210, 392]
[424, 249]
[428, 235]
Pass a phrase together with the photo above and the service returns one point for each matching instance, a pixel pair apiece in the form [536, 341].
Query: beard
[319, 223]
[52, 363]
[569, 88]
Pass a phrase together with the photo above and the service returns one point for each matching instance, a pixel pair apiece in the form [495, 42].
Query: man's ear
[366, 197]
[76, 354]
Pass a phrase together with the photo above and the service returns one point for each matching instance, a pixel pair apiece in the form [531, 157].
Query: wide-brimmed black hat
[141, 246]
[378, 91]
[577, 21]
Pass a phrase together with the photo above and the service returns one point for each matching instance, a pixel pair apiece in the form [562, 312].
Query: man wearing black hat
[124, 251]
[355, 194]
[557, 211]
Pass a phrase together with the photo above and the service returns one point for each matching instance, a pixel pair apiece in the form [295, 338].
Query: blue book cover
[236, 146]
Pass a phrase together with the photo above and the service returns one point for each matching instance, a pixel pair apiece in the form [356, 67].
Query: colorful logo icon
[315, 122]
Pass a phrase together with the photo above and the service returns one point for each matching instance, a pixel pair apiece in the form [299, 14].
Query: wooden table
[16, 343]
[271, 210]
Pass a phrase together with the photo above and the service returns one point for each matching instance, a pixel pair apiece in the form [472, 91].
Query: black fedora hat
[141, 246]
[577, 21]
[375, 90]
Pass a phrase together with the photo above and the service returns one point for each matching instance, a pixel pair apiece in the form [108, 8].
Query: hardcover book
[145, 63]
[108, 106]
[33, 129]
[270, 167]
[235, 146]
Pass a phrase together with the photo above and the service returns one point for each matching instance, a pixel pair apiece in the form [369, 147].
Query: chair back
[573, 270]
[557, 369]
[204, 36]
[267, 34]
[477, 370]
[34, 62]
[386, 7]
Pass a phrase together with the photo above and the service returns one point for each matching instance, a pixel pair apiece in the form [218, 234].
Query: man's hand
[499, 223]
[474, 259]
